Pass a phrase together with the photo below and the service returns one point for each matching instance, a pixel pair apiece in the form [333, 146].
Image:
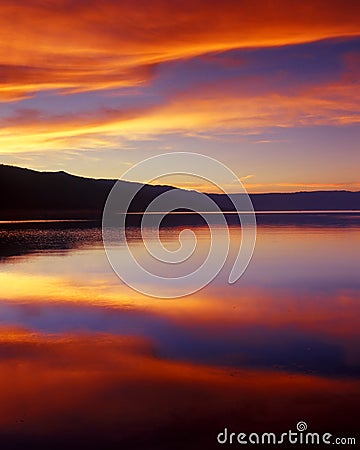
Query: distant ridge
[29, 193]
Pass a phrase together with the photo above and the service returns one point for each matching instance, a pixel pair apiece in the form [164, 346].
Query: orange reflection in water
[335, 313]
[167, 385]
[108, 389]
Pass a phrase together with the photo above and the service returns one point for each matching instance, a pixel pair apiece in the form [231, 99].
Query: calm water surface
[87, 362]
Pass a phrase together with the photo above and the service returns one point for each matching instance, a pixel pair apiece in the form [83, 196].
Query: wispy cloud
[192, 112]
[81, 46]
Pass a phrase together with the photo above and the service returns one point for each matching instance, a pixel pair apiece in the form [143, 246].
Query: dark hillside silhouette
[28, 193]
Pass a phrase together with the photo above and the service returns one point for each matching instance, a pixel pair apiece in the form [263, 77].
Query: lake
[88, 362]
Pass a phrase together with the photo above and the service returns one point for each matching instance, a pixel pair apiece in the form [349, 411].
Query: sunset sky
[270, 88]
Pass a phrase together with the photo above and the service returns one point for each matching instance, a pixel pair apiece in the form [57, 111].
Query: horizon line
[177, 187]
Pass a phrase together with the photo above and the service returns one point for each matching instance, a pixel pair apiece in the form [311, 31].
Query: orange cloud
[81, 46]
[208, 109]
